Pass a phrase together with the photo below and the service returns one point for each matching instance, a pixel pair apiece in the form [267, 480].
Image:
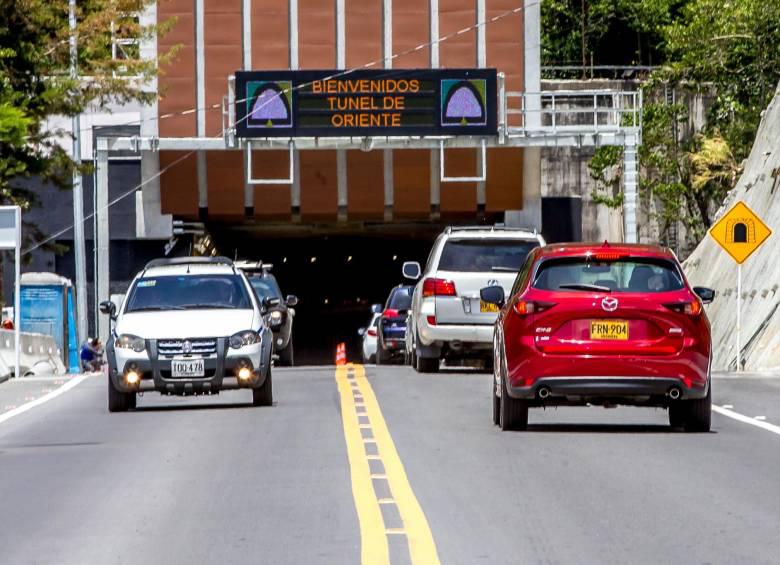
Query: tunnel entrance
[337, 274]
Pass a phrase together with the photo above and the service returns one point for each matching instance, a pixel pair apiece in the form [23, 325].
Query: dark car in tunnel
[279, 309]
[391, 337]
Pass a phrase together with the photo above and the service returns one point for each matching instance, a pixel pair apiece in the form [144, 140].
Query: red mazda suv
[601, 324]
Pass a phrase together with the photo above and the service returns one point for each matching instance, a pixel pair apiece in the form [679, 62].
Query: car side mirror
[291, 300]
[492, 295]
[707, 295]
[362, 332]
[269, 302]
[411, 270]
[376, 309]
[109, 308]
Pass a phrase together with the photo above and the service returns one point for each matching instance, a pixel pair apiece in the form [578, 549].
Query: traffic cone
[341, 354]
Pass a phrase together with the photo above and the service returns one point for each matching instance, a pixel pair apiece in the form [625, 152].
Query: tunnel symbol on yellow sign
[740, 232]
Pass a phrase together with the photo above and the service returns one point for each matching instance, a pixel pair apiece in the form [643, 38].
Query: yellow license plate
[487, 306]
[609, 329]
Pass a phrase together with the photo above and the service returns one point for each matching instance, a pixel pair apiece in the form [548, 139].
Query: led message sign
[366, 102]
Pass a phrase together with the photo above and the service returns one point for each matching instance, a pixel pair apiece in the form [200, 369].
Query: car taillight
[372, 332]
[693, 308]
[438, 287]
[525, 307]
[609, 255]
[431, 320]
[390, 313]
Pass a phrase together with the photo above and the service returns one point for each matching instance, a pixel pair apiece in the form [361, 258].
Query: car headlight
[275, 318]
[129, 341]
[243, 339]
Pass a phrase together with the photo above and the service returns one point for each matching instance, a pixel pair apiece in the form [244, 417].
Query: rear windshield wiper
[584, 286]
[505, 269]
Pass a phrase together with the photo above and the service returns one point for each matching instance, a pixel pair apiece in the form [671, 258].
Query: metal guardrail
[572, 111]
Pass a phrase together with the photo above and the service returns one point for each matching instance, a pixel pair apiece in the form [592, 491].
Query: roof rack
[189, 261]
[451, 229]
[253, 266]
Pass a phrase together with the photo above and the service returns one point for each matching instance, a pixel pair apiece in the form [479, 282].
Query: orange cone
[341, 354]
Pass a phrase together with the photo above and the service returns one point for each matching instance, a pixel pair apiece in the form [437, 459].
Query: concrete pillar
[102, 236]
[531, 214]
[200, 103]
[150, 222]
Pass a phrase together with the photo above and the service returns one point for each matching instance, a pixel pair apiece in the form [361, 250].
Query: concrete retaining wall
[39, 355]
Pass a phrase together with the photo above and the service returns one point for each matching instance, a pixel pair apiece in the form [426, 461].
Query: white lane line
[746, 419]
[729, 406]
[43, 399]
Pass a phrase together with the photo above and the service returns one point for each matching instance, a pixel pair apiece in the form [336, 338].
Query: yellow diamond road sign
[740, 232]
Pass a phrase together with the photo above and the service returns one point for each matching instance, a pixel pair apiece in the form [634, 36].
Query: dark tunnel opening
[336, 277]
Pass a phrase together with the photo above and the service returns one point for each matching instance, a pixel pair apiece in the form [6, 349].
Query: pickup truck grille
[200, 346]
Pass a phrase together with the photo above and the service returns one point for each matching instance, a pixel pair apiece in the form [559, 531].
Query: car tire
[496, 402]
[382, 357]
[699, 413]
[264, 395]
[427, 364]
[286, 357]
[677, 415]
[513, 412]
[118, 401]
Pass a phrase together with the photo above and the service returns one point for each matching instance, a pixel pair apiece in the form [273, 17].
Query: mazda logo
[186, 347]
[609, 304]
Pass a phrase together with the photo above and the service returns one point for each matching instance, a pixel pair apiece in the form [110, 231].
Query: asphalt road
[213, 480]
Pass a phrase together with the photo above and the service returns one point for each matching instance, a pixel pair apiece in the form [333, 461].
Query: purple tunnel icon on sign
[463, 102]
[268, 104]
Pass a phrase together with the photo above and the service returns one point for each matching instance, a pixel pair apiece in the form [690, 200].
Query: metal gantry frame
[562, 118]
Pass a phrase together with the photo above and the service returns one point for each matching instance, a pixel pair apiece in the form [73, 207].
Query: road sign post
[740, 232]
[11, 238]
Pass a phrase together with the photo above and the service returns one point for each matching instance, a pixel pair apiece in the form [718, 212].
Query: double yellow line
[368, 439]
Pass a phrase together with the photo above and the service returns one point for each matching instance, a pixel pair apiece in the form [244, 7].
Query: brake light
[693, 308]
[525, 307]
[431, 320]
[390, 313]
[438, 287]
[609, 256]
[372, 332]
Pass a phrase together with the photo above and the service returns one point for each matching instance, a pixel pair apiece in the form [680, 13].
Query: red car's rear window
[629, 274]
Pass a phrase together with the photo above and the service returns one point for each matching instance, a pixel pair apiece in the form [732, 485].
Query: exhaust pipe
[674, 393]
[544, 392]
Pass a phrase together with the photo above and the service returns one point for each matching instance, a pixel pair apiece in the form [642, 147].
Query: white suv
[187, 326]
[448, 319]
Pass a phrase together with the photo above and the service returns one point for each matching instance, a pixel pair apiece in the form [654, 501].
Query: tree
[610, 32]
[35, 83]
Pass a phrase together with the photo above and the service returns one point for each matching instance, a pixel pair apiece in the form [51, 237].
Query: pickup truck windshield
[186, 292]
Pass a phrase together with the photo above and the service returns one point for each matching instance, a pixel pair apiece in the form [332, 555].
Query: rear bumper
[431, 334]
[613, 387]
[616, 376]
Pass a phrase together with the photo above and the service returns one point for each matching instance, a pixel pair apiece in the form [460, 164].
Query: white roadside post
[739, 317]
[11, 238]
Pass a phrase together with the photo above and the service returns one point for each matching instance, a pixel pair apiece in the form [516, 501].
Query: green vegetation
[730, 48]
